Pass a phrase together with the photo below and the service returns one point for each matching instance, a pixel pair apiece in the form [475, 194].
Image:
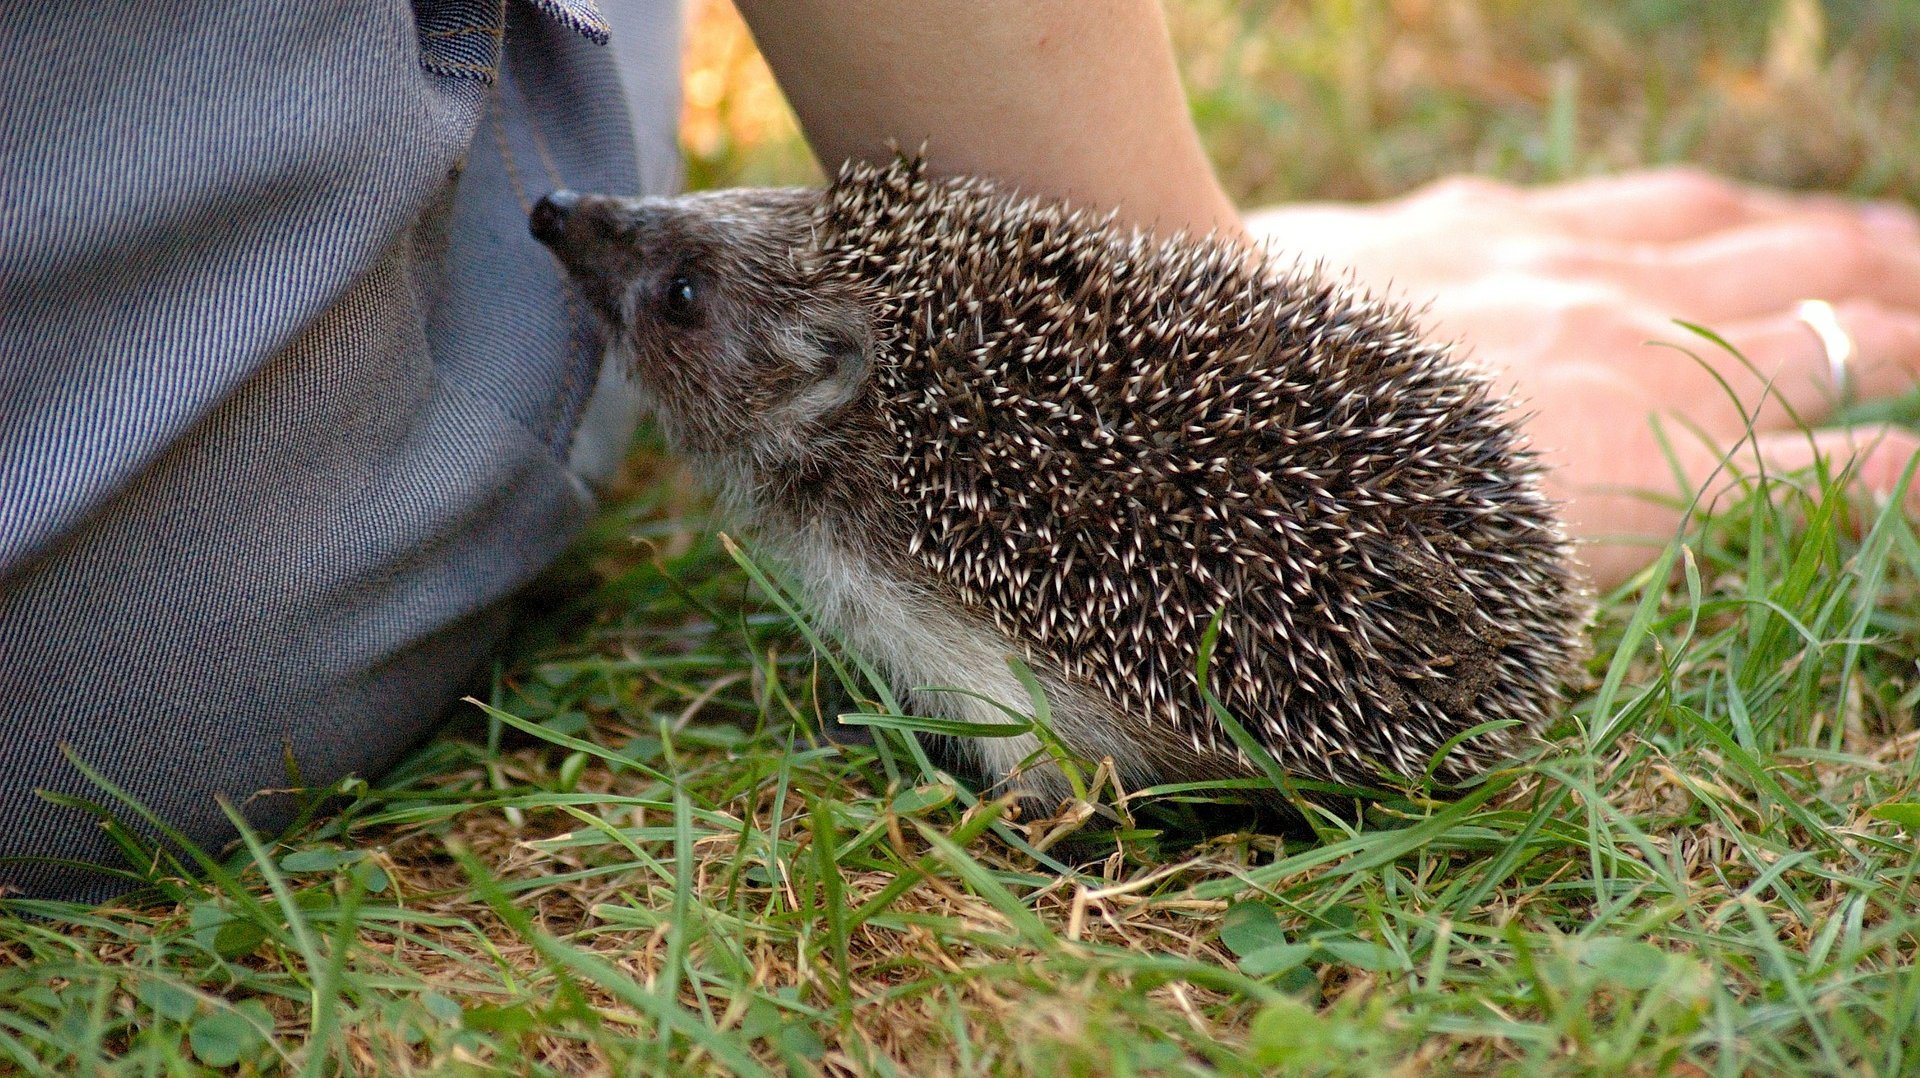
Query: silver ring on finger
[1819, 316]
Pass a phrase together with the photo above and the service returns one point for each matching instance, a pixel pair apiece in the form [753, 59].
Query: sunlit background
[1366, 98]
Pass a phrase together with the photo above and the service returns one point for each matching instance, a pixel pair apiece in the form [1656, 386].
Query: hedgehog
[977, 426]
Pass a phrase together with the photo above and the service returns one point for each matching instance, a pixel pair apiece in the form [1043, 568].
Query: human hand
[1569, 295]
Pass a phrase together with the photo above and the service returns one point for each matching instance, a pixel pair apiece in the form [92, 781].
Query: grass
[638, 856]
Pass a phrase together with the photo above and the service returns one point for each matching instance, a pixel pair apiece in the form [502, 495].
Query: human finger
[1878, 457]
[1655, 206]
[1740, 273]
[1777, 375]
[1671, 205]
[1787, 361]
[1714, 278]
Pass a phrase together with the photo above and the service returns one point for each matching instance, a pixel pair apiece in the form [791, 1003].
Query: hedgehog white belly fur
[923, 648]
[976, 425]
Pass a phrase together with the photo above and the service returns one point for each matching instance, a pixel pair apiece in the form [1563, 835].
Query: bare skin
[1571, 293]
[1560, 290]
[1075, 99]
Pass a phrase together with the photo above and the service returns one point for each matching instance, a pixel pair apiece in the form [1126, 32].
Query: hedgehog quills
[975, 425]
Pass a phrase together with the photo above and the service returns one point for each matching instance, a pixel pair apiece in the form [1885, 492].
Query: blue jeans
[288, 396]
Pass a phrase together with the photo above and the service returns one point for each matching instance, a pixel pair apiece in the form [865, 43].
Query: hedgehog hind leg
[999, 767]
[1022, 764]
[946, 662]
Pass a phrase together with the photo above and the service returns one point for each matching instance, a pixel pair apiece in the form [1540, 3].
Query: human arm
[1075, 99]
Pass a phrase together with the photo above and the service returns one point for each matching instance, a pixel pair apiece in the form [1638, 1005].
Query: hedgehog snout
[586, 233]
[579, 228]
[584, 229]
[548, 221]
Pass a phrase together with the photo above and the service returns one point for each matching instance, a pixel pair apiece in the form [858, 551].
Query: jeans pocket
[460, 38]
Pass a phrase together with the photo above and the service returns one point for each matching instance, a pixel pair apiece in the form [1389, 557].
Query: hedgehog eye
[679, 299]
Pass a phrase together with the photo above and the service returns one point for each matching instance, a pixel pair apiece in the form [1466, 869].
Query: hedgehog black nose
[548, 221]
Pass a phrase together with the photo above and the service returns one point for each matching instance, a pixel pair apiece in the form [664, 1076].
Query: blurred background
[1367, 98]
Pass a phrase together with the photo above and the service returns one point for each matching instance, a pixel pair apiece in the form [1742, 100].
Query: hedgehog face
[714, 299]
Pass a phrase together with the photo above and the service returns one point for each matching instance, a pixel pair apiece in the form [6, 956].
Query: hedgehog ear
[843, 347]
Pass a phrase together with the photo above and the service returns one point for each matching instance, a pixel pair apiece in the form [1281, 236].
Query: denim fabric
[287, 393]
